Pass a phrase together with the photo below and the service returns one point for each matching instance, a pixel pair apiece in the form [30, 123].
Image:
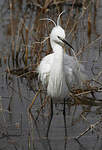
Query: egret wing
[44, 69]
[75, 73]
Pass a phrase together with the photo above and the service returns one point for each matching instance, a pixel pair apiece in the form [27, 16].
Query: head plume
[49, 20]
[58, 19]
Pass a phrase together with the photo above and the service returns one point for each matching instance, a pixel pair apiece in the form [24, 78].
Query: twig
[42, 106]
[97, 81]
[30, 106]
[42, 42]
[84, 10]
[96, 89]
[92, 126]
[89, 45]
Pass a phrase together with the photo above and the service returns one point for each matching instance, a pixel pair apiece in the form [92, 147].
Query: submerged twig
[30, 106]
[92, 126]
[42, 106]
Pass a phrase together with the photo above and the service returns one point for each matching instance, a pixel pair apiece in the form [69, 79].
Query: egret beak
[65, 41]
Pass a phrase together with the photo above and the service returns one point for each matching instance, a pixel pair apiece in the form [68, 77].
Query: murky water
[20, 30]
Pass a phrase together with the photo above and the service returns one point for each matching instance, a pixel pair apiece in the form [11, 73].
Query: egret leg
[64, 115]
[51, 116]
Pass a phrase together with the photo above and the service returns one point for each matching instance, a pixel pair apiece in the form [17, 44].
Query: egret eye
[59, 38]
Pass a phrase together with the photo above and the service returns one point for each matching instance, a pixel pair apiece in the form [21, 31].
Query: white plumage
[58, 71]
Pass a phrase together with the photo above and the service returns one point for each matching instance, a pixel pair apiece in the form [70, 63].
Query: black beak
[63, 40]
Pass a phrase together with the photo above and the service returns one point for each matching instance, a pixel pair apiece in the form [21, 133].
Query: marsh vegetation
[24, 105]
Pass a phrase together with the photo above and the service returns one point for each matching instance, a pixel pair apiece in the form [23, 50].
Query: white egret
[58, 71]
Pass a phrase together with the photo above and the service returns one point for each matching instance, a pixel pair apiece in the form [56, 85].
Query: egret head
[57, 35]
[57, 32]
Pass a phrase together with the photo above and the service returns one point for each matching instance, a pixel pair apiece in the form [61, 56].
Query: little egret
[58, 71]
